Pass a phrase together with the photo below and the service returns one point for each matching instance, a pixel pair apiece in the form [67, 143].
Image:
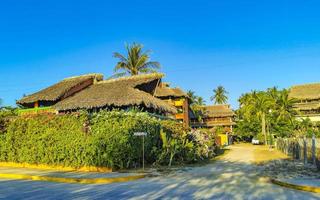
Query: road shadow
[219, 180]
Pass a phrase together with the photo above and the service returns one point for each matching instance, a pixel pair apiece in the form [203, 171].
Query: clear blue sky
[242, 45]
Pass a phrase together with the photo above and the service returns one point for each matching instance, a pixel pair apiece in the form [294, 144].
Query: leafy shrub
[115, 141]
[6, 114]
[103, 139]
[181, 145]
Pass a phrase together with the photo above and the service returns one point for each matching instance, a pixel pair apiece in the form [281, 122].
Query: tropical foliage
[135, 61]
[103, 139]
[196, 104]
[180, 145]
[219, 95]
[6, 115]
[265, 112]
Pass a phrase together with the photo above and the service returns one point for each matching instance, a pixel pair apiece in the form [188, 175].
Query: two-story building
[177, 98]
[216, 116]
[307, 100]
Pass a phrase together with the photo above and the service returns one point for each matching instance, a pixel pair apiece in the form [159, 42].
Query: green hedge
[102, 139]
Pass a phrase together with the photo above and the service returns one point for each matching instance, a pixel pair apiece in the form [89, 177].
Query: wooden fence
[304, 149]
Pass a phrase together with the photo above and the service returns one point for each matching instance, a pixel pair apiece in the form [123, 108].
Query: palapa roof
[307, 106]
[305, 92]
[222, 110]
[165, 91]
[58, 90]
[120, 92]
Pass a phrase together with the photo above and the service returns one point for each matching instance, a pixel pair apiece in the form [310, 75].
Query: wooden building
[90, 92]
[177, 98]
[307, 98]
[216, 116]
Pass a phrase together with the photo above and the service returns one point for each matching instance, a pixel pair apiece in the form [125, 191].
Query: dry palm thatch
[305, 92]
[165, 91]
[218, 111]
[120, 92]
[59, 90]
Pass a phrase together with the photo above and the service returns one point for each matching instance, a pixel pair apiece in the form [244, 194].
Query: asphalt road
[232, 177]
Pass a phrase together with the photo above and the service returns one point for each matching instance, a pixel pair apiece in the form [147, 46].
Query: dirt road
[233, 176]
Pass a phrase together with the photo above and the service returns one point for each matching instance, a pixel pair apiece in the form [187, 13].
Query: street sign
[140, 134]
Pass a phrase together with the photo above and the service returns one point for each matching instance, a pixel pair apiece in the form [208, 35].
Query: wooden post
[305, 159]
[186, 112]
[313, 149]
[143, 152]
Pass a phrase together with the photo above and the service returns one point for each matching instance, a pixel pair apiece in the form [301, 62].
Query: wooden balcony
[179, 116]
[179, 103]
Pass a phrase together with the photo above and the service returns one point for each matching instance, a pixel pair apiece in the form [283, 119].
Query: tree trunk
[263, 127]
[171, 158]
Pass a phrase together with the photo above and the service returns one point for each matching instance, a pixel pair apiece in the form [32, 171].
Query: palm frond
[135, 61]
[153, 65]
[120, 56]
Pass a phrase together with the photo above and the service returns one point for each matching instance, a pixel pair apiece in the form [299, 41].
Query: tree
[192, 96]
[284, 107]
[261, 103]
[200, 101]
[135, 62]
[220, 95]
[272, 109]
[303, 126]
[196, 103]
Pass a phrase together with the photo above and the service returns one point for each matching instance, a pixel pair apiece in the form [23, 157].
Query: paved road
[232, 177]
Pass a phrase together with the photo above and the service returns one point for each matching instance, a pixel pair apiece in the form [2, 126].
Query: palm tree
[303, 126]
[135, 62]
[220, 95]
[260, 102]
[273, 92]
[196, 103]
[284, 106]
[191, 95]
[200, 101]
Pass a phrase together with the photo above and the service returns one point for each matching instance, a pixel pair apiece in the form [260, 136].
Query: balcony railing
[179, 116]
[178, 103]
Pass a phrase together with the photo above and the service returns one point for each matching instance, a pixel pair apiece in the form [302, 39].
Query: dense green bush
[181, 145]
[121, 148]
[101, 139]
[6, 114]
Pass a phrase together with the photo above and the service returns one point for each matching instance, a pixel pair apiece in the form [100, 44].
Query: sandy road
[233, 176]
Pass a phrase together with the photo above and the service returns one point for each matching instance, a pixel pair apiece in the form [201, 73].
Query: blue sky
[242, 45]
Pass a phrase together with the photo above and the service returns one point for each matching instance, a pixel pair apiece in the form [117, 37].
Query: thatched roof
[164, 90]
[307, 106]
[218, 111]
[120, 92]
[305, 92]
[58, 90]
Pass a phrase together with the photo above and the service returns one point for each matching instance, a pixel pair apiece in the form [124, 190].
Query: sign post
[141, 134]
